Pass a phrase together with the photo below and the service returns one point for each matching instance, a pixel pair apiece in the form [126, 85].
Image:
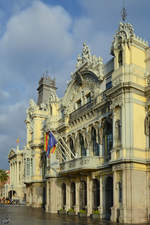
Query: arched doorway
[96, 194]
[108, 196]
[94, 143]
[82, 145]
[73, 195]
[63, 195]
[83, 195]
[11, 193]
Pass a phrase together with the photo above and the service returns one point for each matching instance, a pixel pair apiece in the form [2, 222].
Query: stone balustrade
[82, 163]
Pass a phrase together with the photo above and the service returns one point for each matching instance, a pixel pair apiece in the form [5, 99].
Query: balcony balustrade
[83, 163]
[81, 111]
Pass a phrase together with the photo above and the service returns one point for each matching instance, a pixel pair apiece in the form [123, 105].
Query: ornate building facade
[102, 125]
[16, 189]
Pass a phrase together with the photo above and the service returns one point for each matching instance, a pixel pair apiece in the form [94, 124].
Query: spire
[124, 12]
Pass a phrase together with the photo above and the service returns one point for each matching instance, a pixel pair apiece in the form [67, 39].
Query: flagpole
[65, 145]
[64, 150]
[61, 155]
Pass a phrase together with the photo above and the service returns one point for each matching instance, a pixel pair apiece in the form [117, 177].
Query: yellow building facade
[102, 126]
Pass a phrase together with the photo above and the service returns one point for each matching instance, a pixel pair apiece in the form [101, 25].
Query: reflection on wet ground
[21, 215]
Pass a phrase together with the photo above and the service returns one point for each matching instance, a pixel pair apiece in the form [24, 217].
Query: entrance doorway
[63, 196]
[83, 195]
[73, 195]
[96, 194]
[108, 196]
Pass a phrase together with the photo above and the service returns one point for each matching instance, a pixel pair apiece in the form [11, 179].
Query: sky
[41, 35]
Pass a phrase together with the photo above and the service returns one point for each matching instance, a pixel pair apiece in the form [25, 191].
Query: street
[22, 215]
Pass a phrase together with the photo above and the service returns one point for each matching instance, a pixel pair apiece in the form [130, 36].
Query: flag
[17, 141]
[46, 138]
[51, 144]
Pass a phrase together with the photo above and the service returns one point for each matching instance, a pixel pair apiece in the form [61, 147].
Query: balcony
[81, 111]
[85, 163]
[27, 180]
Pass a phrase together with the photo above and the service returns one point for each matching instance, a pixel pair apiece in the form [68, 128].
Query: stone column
[77, 206]
[15, 174]
[123, 214]
[101, 207]
[89, 196]
[115, 198]
[17, 166]
[10, 173]
[47, 196]
[68, 196]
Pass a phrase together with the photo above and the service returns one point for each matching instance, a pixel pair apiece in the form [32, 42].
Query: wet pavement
[22, 215]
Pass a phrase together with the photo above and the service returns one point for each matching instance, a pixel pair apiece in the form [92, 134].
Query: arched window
[108, 138]
[120, 191]
[83, 195]
[83, 150]
[94, 143]
[71, 146]
[108, 196]
[96, 194]
[73, 194]
[120, 58]
[51, 110]
[63, 195]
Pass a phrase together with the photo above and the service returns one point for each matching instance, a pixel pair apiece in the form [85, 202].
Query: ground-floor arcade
[120, 193]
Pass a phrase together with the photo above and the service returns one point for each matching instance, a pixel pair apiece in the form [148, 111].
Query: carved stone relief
[92, 62]
[117, 101]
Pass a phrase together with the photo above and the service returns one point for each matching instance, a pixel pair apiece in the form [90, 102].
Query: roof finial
[124, 12]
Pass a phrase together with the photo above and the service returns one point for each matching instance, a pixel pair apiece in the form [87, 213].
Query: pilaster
[89, 196]
[101, 207]
[77, 197]
[68, 193]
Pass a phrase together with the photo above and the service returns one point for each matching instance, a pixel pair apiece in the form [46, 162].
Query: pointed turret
[46, 90]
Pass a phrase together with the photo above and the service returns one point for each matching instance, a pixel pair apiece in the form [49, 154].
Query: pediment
[82, 84]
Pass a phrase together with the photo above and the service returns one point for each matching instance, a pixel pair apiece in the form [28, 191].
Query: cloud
[11, 127]
[36, 38]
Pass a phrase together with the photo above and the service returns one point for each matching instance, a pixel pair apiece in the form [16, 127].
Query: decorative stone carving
[92, 62]
[117, 101]
[124, 34]
[117, 81]
[32, 105]
[43, 107]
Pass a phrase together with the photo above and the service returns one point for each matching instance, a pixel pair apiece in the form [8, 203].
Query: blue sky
[40, 35]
